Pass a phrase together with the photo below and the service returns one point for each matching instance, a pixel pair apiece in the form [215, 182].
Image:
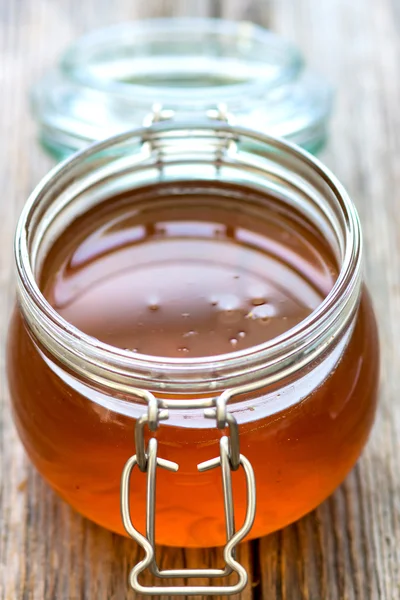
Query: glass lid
[109, 80]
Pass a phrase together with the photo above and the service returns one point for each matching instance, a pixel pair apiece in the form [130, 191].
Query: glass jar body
[302, 439]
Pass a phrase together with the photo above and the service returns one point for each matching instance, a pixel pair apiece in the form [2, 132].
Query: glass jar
[302, 403]
[108, 81]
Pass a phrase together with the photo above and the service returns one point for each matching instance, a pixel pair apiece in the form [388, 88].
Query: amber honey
[187, 270]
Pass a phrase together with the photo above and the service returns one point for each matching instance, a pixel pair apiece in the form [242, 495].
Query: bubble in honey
[233, 342]
[189, 333]
[242, 334]
[229, 302]
[258, 301]
[185, 315]
[183, 349]
[262, 313]
[229, 308]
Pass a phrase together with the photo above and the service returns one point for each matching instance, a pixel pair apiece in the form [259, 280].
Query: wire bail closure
[147, 460]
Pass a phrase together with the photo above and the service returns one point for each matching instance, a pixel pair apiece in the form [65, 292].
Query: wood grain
[349, 548]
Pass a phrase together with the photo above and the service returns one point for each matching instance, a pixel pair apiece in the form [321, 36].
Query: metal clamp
[224, 140]
[229, 460]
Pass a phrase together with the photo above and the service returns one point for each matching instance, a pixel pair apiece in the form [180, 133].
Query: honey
[191, 279]
[189, 270]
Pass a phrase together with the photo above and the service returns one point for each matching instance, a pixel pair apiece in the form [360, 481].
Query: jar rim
[77, 60]
[277, 357]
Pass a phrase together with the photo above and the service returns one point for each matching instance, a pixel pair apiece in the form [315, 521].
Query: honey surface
[189, 280]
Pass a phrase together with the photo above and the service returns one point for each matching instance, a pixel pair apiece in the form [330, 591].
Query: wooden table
[349, 548]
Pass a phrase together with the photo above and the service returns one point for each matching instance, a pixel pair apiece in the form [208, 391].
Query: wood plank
[349, 548]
